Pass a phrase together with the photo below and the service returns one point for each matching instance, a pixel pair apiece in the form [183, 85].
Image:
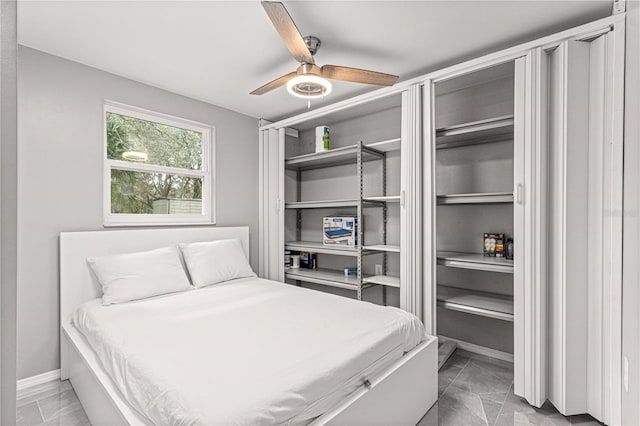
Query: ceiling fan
[309, 81]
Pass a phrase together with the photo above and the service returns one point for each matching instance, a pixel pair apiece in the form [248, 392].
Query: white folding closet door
[529, 222]
[585, 152]
[410, 205]
[272, 204]
[429, 209]
[530, 229]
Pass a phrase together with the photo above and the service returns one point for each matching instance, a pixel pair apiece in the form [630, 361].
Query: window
[157, 168]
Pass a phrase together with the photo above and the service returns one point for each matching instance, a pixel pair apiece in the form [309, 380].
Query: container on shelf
[322, 138]
[308, 260]
[350, 271]
[287, 259]
[509, 249]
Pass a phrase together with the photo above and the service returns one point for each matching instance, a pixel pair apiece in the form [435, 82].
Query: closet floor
[473, 390]
[478, 390]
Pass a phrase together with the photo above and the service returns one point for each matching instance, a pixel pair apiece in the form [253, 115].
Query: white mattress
[246, 352]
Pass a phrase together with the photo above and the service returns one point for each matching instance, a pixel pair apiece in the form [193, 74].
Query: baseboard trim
[23, 386]
[493, 353]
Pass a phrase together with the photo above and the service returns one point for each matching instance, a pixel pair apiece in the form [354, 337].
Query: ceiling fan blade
[357, 75]
[288, 31]
[280, 81]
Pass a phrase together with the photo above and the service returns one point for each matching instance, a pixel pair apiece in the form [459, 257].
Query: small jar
[509, 249]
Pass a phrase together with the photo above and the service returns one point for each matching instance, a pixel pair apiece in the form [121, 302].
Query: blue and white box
[339, 230]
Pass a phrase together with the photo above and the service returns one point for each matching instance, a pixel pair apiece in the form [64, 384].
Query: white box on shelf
[339, 230]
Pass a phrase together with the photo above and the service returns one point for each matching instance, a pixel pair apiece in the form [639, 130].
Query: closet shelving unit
[460, 291]
[356, 155]
[475, 302]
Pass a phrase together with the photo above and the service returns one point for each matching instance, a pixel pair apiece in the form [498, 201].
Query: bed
[387, 383]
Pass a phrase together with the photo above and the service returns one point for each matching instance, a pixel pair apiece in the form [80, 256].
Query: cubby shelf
[485, 304]
[337, 278]
[332, 157]
[475, 261]
[322, 276]
[321, 248]
[476, 198]
[386, 146]
[383, 247]
[476, 132]
[385, 198]
[386, 280]
[339, 250]
[366, 202]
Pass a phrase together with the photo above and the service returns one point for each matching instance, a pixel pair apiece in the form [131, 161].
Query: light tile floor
[478, 390]
[473, 390]
[53, 403]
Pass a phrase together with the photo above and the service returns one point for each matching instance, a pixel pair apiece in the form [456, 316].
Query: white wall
[631, 238]
[8, 211]
[60, 127]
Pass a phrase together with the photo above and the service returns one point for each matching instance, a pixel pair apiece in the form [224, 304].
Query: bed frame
[400, 395]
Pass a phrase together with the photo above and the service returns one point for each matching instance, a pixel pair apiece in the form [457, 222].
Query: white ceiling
[219, 51]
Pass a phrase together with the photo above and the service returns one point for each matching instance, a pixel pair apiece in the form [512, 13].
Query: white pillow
[213, 262]
[133, 276]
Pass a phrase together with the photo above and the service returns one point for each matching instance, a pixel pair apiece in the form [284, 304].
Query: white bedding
[246, 352]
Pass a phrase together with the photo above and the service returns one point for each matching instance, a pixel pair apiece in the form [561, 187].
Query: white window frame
[207, 172]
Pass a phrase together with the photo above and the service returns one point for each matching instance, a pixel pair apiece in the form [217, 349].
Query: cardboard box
[493, 245]
[339, 230]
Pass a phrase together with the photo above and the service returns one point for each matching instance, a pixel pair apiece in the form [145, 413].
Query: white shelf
[383, 247]
[332, 157]
[385, 280]
[321, 248]
[367, 202]
[476, 132]
[386, 146]
[386, 198]
[485, 304]
[475, 261]
[476, 198]
[323, 276]
[321, 204]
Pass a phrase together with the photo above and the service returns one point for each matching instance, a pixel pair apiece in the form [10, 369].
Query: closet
[474, 181]
[363, 176]
[518, 144]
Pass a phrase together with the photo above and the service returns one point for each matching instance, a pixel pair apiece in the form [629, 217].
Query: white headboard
[77, 283]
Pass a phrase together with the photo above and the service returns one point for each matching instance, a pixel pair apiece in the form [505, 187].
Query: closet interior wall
[340, 182]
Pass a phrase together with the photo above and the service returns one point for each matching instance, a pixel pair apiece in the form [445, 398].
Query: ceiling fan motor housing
[313, 44]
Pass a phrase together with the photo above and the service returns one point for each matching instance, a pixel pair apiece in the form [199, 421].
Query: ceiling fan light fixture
[309, 86]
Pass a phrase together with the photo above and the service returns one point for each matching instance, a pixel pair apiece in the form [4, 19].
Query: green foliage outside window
[137, 140]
